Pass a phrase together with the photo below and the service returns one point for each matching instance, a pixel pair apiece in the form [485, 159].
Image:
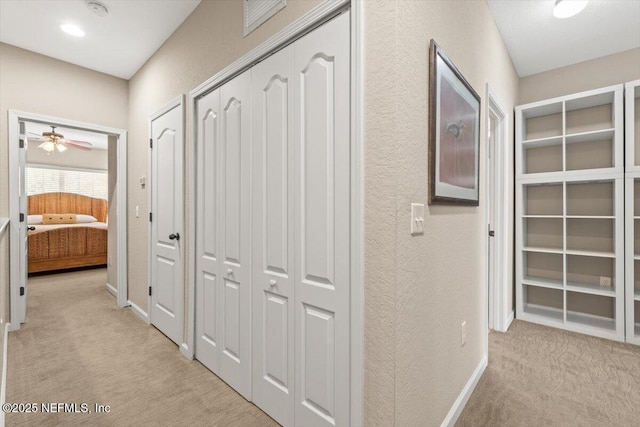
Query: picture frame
[454, 134]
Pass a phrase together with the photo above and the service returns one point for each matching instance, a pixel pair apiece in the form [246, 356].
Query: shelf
[590, 217]
[543, 250]
[591, 289]
[542, 311]
[595, 135]
[542, 142]
[591, 253]
[542, 283]
[591, 321]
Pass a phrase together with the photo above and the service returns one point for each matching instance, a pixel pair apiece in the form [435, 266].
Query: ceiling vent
[97, 8]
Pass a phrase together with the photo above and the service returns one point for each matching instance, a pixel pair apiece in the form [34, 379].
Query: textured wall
[600, 72]
[94, 159]
[39, 84]
[209, 40]
[418, 290]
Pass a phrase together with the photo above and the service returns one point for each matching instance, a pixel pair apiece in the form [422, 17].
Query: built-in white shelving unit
[570, 213]
[632, 210]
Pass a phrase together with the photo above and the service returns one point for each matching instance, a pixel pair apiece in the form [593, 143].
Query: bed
[61, 246]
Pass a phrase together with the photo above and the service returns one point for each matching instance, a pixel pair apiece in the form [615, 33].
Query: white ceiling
[98, 140]
[117, 44]
[537, 41]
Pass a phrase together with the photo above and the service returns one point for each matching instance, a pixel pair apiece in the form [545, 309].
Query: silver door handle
[272, 283]
[229, 272]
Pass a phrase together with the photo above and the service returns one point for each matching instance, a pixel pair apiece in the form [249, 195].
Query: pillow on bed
[49, 218]
[85, 218]
[34, 219]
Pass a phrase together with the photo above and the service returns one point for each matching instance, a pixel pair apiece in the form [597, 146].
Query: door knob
[229, 272]
[31, 228]
[272, 283]
[175, 236]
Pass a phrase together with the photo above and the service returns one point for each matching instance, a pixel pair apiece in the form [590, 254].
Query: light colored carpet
[540, 376]
[78, 347]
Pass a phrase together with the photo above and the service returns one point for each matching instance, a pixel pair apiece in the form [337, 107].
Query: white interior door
[322, 231]
[273, 236]
[491, 210]
[225, 261]
[167, 275]
[22, 226]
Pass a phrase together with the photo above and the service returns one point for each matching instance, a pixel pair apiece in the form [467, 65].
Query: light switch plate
[417, 218]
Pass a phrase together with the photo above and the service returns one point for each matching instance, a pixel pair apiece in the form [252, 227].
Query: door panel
[166, 204]
[235, 361]
[272, 240]
[223, 303]
[322, 221]
[208, 230]
[22, 226]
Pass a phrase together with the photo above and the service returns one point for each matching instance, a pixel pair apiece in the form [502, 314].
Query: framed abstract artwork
[454, 134]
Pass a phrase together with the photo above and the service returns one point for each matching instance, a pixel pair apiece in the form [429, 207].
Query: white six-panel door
[322, 231]
[273, 236]
[167, 274]
[22, 226]
[223, 316]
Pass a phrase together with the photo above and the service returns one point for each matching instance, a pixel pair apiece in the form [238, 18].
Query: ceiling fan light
[47, 146]
[568, 8]
[61, 148]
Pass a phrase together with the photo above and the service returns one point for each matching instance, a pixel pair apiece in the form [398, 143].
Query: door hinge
[21, 291]
[150, 217]
[492, 233]
[149, 290]
[150, 143]
[21, 217]
[21, 143]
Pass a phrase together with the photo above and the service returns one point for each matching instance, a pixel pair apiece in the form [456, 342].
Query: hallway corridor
[77, 347]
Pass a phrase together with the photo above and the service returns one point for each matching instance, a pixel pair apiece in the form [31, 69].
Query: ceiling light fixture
[72, 30]
[568, 8]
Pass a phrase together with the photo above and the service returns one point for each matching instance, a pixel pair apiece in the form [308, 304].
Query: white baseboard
[139, 312]
[455, 411]
[113, 291]
[186, 351]
[512, 316]
[3, 385]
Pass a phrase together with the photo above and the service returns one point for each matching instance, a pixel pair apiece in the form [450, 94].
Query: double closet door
[273, 245]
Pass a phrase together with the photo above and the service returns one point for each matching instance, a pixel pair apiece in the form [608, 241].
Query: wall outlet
[605, 282]
[463, 333]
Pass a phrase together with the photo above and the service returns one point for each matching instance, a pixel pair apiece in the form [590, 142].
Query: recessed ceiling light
[568, 8]
[73, 30]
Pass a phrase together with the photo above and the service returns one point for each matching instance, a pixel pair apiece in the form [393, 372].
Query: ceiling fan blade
[76, 146]
[36, 138]
[80, 143]
[36, 134]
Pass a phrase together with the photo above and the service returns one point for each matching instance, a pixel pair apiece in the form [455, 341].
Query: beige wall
[94, 159]
[39, 84]
[418, 290]
[209, 40]
[608, 70]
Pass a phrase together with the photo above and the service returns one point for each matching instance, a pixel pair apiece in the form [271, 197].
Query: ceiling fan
[54, 141]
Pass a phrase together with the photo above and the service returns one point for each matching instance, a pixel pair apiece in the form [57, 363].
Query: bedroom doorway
[88, 215]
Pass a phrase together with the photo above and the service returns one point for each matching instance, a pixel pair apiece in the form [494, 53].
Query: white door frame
[15, 117]
[306, 23]
[499, 307]
[178, 101]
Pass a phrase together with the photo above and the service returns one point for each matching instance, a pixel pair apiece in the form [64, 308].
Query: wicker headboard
[67, 203]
